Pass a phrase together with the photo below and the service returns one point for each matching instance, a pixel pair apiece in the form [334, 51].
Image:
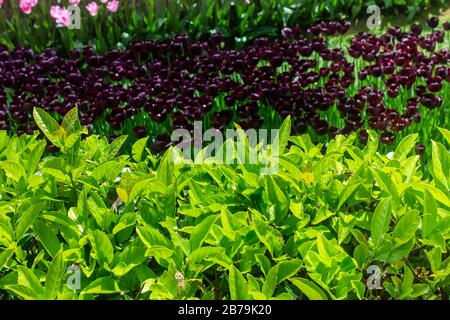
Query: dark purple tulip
[438, 101]
[140, 131]
[300, 126]
[287, 33]
[416, 29]
[215, 38]
[428, 100]
[344, 27]
[434, 84]
[416, 117]
[387, 137]
[222, 118]
[420, 148]
[442, 72]
[421, 90]
[433, 22]
[161, 143]
[392, 91]
[320, 127]
[51, 148]
[363, 137]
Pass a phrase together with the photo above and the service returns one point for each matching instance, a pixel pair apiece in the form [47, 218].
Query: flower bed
[383, 82]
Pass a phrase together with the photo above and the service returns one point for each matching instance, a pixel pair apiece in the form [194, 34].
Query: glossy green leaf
[406, 227]
[27, 278]
[138, 149]
[104, 285]
[309, 289]
[47, 238]
[380, 221]
[103, 250]
[200, 231]
[429, 220]
[27, 219]
[237, 284]
[52, 130]
[13, 170]
[71, 123]
[405, 146]
[54, 277]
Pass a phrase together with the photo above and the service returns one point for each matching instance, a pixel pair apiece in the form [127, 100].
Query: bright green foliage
[141, 227]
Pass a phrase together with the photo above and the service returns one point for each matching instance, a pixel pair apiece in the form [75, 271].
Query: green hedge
[143, 227]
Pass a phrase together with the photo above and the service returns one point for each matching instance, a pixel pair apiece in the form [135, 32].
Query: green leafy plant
[143, 227]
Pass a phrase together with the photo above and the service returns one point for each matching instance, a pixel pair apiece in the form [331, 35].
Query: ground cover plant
[328, 176]
[143, 227]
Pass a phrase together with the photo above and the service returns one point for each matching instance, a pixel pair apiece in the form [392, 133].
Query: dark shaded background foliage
[157, 19]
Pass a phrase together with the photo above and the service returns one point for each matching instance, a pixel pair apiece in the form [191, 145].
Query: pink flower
[113, 6]
[1, 3]
[32, 3]
[92, 7]
[64, 18]
[55, 11]
[25, 6]
[61, 15]
[75, 2]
